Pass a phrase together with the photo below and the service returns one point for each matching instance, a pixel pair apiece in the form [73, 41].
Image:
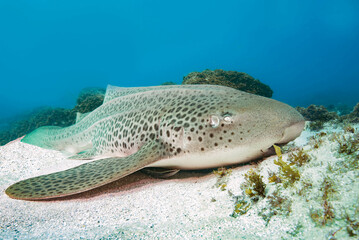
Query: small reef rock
[353, 117]
[89, 99]
[238, 80]
[317, 113]
[168, 83]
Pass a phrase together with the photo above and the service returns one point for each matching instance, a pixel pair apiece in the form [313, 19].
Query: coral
[237, 80]
[288, 173]
[254, 186]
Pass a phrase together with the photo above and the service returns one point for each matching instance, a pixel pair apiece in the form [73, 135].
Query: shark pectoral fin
[86, 176]
[160, 172]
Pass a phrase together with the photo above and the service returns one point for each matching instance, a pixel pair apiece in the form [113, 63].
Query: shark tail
[42, 137]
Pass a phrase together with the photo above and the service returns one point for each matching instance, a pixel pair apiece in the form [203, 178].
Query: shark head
[255, 120]
[228, 127]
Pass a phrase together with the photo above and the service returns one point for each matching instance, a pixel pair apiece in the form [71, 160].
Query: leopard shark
[179, 127]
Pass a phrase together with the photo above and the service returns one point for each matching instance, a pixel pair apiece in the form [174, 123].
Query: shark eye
[214, 121]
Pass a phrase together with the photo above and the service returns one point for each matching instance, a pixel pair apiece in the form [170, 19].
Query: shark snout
[292, 131]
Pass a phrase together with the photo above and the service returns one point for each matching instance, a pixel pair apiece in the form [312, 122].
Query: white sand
[140, 207]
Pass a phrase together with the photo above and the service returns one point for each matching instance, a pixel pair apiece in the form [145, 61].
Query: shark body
[175, 127]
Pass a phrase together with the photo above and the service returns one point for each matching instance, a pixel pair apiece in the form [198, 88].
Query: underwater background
[306, 51]
[57, 57]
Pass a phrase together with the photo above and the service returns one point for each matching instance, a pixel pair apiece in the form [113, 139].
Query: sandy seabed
[185, 206]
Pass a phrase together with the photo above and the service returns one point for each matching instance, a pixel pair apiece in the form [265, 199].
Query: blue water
[306, 51]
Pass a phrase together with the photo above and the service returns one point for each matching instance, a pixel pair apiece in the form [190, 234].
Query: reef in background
[91, 98]
[88, 100]
[319, 115]
[238, 80]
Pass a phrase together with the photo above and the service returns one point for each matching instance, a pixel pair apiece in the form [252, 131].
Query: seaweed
[289, 174]
[316, 141]
[348, 128]
[299, 157]
[316, 125]
[273, 178]
[327, 188]
[222, 174]
[305, 187]
[254, 186]
[347, 145]
[277, 205]
[326, 214]
[241, 207]
[323, 216]
[352, 227]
